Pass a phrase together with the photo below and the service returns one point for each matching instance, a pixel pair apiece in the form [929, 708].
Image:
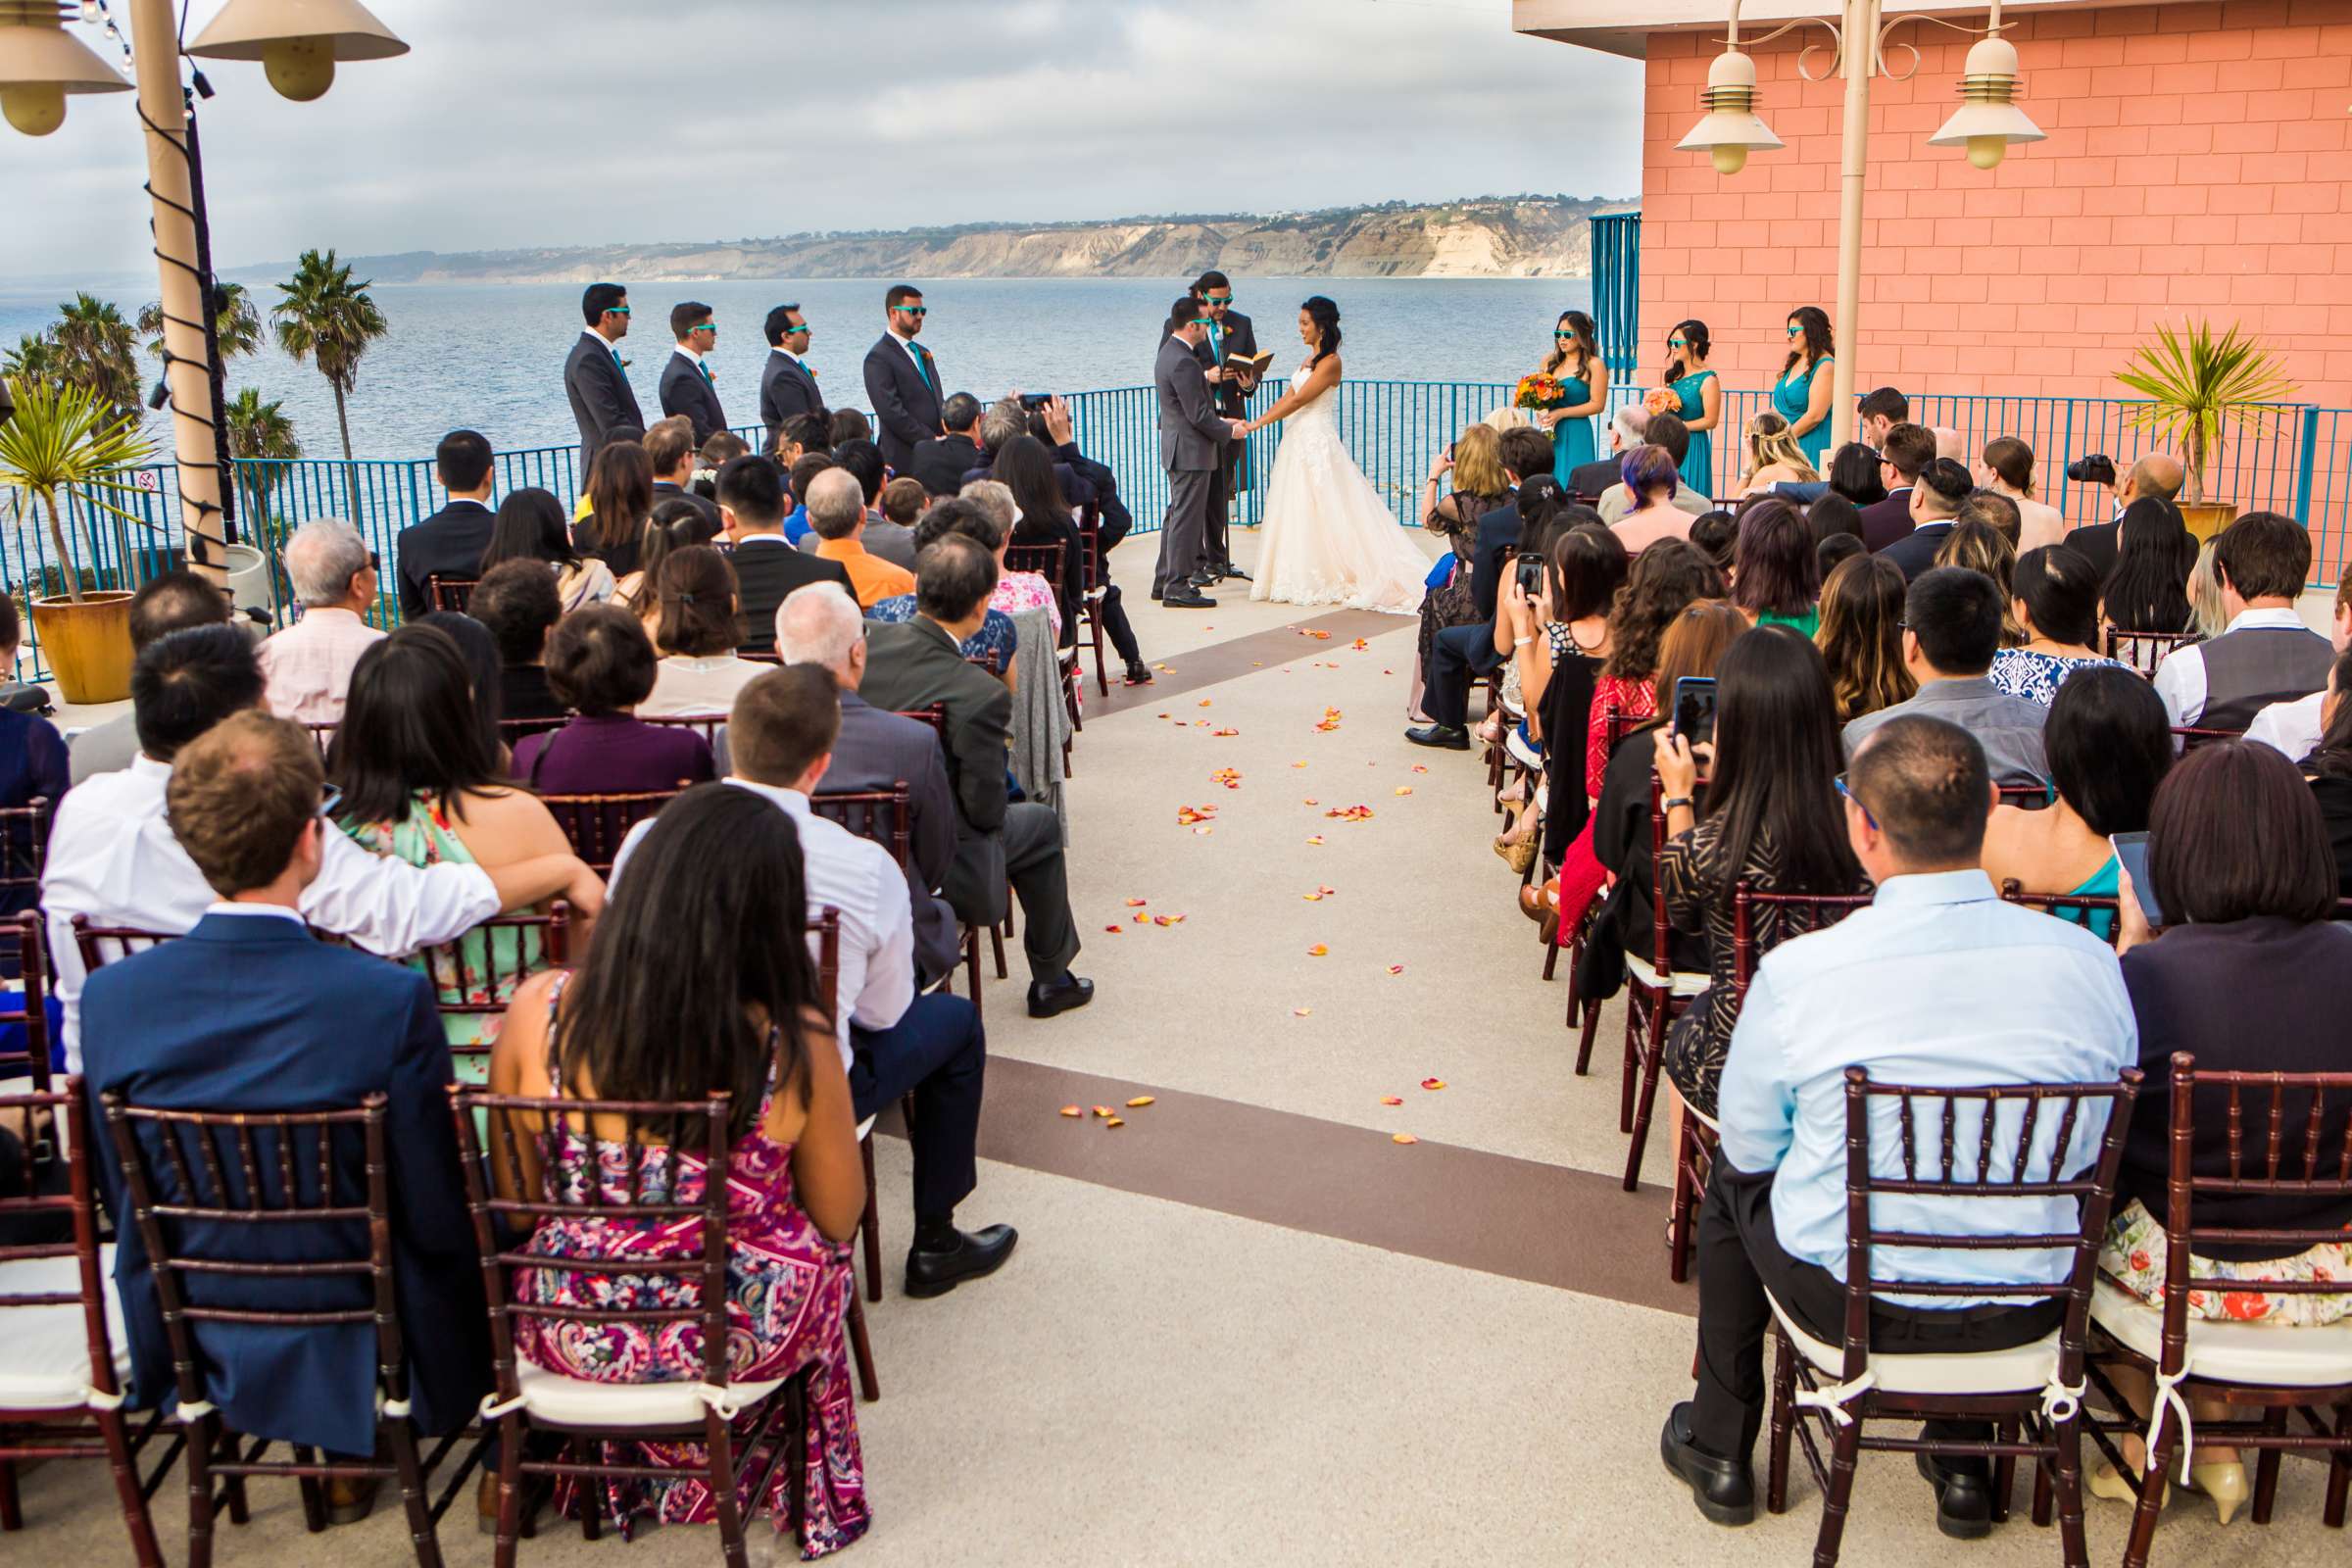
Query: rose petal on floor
[1433, 1083]
[1385, 1099]
[1072, 1111]
[1404, 1138]
[1139, 1101]
[1318, 951]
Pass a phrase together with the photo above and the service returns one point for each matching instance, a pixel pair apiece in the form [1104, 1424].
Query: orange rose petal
[1404, 1138]
[1312, 897]
[1073, 1110]
[1316, 838]
[1327, 892]
[1300, 1012]
[1385, 1099]
[1433, 1083]
[1114, 1121]
[1297, 765]
[1404, 789]
[1203, 832]
[1310, 801]
[1114, 930]
[1203, 702]
[1418, 769]
[1137, 904]
[1393, 968]
[1139, 1101]
[1318, 951]
[1102, 1110]
[1222, 733]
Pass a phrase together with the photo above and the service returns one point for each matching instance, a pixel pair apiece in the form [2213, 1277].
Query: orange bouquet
[1540, 391]
[1663, 400]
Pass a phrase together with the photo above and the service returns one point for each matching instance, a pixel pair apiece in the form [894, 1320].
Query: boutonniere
[812, 370]
[625, 363]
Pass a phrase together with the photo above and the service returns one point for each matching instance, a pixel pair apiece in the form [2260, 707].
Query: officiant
[1229, 335]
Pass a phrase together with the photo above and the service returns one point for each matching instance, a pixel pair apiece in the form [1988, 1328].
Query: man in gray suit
[602, 401]
[1191, 435]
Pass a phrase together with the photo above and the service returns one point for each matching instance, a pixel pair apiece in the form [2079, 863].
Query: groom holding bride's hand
[1192, 436]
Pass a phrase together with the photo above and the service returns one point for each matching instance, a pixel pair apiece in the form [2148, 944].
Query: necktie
[704, 365]
[1216, 344]
[922, 365]
[616, 364]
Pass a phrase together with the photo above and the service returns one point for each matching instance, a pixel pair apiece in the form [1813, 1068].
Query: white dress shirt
[858, 878]
[2180, 678]
[113, 858]
[1938, 983]
[308, 666]
[2291, 728]
[688, 355]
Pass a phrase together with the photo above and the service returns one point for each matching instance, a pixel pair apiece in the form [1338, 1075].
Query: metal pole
[195, 413]
[1861, 60]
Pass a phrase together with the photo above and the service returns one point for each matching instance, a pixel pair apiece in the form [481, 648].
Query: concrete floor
[1248, 1328]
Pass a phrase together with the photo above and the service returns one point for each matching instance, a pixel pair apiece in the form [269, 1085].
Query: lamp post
[298, 42]
[1987, 122]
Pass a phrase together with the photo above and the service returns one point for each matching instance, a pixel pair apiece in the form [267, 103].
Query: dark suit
[905, 400]
[1885, 521]
[686, 388]
[1192, 437]
[664, 490]
[2098, 543]
[448, 544]
[1916, 551]
[1234, 336]
[941, 462]
[1458, 653]
[602, 400]
[766, 568]
[878, 749]
[1592, 478]
[248, 1012]
[911, 664]
[787, 390]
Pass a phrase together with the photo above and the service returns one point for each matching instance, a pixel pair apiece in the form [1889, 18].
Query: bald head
[836, 503]
[819, 624]
[1951, 443]
[2158, 474]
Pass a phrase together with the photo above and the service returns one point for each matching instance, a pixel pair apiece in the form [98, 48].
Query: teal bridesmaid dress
[1698, 464]
[1572, 439]
[1792, 394]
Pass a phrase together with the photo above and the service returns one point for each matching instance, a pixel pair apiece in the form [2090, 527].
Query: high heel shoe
[2108, 1482]
[2226, 1483]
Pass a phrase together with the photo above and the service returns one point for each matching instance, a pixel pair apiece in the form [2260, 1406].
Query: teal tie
[705, 367]
[616, 364]
[1216, 344]
[922, 366]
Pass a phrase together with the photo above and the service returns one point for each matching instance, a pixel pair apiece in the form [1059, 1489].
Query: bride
[1328, 538]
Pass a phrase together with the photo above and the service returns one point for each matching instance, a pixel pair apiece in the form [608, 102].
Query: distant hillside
[1487, 237]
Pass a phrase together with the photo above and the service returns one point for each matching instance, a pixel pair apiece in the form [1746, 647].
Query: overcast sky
[521, 123]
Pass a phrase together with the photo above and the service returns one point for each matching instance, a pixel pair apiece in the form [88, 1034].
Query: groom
[1191, 435]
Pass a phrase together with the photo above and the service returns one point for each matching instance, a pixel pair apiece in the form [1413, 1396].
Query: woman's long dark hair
[483, 667]
[1588, 564]
[1025, 465]
[696, 591]
[1664, 580]
[1818, 345]
[2110, 744]
[1774, 570]
[1325, 314]
[1587, 347]
[1861, 636]
[1543, 508]
[1694, 333]
[409, 727]
[530, 526]
[1854, 475]
[706, 932]
[2148, 588]
[620, 494]
[1776, 759]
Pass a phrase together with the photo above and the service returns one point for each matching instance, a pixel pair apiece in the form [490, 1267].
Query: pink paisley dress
[787, 1288]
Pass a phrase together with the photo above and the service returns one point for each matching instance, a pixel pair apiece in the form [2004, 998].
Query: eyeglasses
[710, 328]
[1672, 342]
[1565, 337]
[330, 803]
[912, 309]
[617, 310]
[372, 564]
[1857, 800]
[1216, 298]
[1794, 329]
[1201, 321]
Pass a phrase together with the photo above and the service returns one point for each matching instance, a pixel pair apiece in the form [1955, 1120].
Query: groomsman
[1191, 434]
[686, 384]
[788, 383]
[1228, 332]
[901, 379]
[595, 379]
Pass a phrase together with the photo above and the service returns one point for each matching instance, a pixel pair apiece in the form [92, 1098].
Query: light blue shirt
[1938, 983]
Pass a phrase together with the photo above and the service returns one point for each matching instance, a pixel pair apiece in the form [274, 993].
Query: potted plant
[2196, 386]
[66, 438]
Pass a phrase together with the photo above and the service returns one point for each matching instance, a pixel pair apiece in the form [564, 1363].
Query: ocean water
[490, 357]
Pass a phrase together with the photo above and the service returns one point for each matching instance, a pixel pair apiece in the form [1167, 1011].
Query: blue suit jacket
[249, 1013]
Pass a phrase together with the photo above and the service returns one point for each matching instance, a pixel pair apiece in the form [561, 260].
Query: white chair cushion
[573, 1401]
[2270, 1354]
[45, 1350]
[1522, 753]
[1685, 984]
[866, 1126]
[2023, 1370]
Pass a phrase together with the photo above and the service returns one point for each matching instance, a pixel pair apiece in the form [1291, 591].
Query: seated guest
[113, 857]
[2267, 654]
[1979, 547]
[1938, 983]
[449, 543]
[1951, 629]
[1773, 454]
[801, 476]
[878, 749]
[2330, 764]
[916, 664]
[249, 1013]
[1045, 515]
[893, 537]
[600, 664]
[2145, 587]
[1775, 576]
[1053, 426]
[1627, 430]
[805, 435]
[1852, 477]
[699, 983]
[420, 784]
[1832, 516]
[1837, 550]
[2054, 599]
[941, 463]
[2008, 470]
[1861, 636]
[34, 765]
[305, 667]
[670, 452]
[2240, 858]
[751, 499]
[2108, 748]
[516, 600]
[2207, 617]
[172, 601]
[484, 674]
[975, 518]
[2156, 477]
[723, 448]
[1715, 535]
[1557, 669]
[530, 527]
[1901, 459]
[863, 460]
[1771, 821]
[844, 425]
[1465, 652]
[1005, 420]
[619, 499]
[695, 635]
[1654, 482]
[1881, 410]
[1668, 433]
[1658, 590]
[1996, 512]
[1935, 495]
[1016, 591]
[838, 515]
[673, 525]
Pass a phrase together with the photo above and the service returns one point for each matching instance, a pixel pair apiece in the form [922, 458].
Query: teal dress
[1698, 464]
[2104, 883]
[1792, 394]
[1572, 439]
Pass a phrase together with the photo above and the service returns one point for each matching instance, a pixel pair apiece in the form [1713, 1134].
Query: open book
[1250, 365]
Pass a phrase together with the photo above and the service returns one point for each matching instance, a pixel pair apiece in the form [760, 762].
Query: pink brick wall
[2198, 165]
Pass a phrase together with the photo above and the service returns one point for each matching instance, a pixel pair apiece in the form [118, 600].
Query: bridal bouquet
[1663, 400]
[1540, 391]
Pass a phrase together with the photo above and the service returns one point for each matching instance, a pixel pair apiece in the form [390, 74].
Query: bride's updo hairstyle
[1326, 316]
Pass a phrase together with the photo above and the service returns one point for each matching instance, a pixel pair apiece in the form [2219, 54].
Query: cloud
[528, 122]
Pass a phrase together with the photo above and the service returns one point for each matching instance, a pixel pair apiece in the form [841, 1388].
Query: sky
[529, 122]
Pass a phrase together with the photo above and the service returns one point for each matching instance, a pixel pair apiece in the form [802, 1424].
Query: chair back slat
[712, 728]
[451, 594]
[881, 815]
[1803, 912]
[22, 945]
[25, 842]
[2188, 737]
[935, 715]
[56, 1225]
[2084, 909]
[102, 944]
[323, 733]
[513, 730]
[2025, 797]
[2143, 650]
[1043, 558]
[595, 824]
[480, 983]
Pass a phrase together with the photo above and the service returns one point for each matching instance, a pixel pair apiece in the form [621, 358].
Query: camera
[1034, 401]
[2098, 468]
[1531, 575]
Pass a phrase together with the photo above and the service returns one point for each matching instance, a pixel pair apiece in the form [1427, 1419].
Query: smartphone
[1695, 709]
[2132, 849]
[1033, 401]
[1531, 577]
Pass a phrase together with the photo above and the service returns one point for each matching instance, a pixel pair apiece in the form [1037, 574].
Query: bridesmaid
[1801, 395]
[1701, 393]
[1574, 346]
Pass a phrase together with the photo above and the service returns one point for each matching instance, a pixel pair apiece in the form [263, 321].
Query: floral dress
[2034, 677]
[996, 634]
[505, 958]
[787, 1288]
[2134, 1257]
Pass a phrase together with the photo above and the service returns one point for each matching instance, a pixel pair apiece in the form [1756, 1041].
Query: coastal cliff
[1490, 236]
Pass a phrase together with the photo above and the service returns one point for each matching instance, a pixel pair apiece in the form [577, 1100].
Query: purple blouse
[612, 755]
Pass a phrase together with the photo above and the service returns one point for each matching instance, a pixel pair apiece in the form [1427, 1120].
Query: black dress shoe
[1963, 1502]
[975, 1254]
[1185, 596]
[1442, 735]
[1202, 579]
[1139, 673]
[1724, 1489]
[1048, 998]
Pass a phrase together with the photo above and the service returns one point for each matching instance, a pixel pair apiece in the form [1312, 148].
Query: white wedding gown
[1328, 537]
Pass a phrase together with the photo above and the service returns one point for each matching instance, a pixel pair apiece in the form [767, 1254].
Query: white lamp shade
[1971, 121]
[39, 54]
[1728, 128]
[1731, 127]
[1987, 111]
[248, 29]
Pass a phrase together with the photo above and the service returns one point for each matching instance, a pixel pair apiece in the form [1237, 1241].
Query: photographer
[2158, 477]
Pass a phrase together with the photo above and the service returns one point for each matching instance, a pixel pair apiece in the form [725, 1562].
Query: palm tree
[258, 432]
[236, 323]
[322, 315]
[95, 351]
[65, 437]
[33, 359]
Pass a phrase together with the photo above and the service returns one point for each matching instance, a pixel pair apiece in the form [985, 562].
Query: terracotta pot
[2205, 519]
[87, 645]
